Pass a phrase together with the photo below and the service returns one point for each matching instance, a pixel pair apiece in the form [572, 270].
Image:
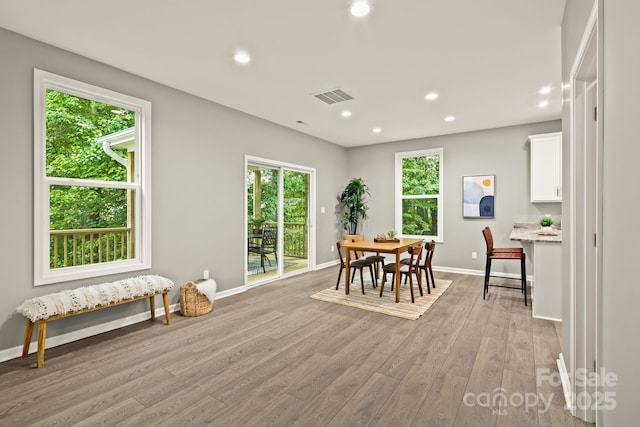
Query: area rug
[371, 301]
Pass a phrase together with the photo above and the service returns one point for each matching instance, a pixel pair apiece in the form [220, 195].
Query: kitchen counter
[546, 257]
[531, 235]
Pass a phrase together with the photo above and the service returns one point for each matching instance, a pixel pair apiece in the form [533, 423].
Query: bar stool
[502, 254]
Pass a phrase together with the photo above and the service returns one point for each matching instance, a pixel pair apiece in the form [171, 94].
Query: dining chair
[355, 264]
[268, 245]
[408, 269]
[377, 258]
[429, 248]
[503, 254]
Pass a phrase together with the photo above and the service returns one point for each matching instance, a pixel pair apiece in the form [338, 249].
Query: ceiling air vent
[333, 96]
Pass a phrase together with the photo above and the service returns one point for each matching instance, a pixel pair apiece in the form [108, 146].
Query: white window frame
[43, 274]
[399, 197]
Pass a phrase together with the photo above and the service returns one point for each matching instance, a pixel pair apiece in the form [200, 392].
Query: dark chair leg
[426, 276]
[393, 281]
[486, 277]
[419, 278]
[353, 276]
[373, 276]
[524, 278]
[433, 281]
[384, 279]
[362, 280]
[339, 276]
[411, 286]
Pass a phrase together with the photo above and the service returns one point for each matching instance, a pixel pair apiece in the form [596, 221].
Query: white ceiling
[486, 59]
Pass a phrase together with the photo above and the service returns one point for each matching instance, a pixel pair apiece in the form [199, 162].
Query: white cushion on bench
[68, 301]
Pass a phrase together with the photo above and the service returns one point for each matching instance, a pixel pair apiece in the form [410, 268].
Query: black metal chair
[356, 264]
[268, 245]
[503, 254]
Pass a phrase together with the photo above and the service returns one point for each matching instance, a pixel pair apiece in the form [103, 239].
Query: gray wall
[198, 150]
[620, 236]
[503, 152]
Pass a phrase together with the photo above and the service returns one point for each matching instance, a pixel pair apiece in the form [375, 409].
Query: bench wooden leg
[27, 338]
[152, 303]
[42, 335]
[165, 299]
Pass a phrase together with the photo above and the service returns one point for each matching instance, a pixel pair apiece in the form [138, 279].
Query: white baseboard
[566, 385]
[326, 265]
[546, 318]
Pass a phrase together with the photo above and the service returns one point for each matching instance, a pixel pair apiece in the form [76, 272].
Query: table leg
[398, 276]
[348, 273]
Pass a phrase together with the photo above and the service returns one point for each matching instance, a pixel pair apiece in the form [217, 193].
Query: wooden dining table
[388, 247]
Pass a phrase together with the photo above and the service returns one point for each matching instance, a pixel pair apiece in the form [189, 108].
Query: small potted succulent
[391, 234]
[546, 223]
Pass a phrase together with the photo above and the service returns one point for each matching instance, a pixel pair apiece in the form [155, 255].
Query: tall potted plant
[352, 199]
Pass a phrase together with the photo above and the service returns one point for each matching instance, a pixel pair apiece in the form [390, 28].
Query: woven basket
[193, 303]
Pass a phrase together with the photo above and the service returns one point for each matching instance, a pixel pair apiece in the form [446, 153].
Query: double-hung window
[419, 194]
[91, 181]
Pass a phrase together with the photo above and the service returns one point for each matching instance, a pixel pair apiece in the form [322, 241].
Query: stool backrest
[488, 238]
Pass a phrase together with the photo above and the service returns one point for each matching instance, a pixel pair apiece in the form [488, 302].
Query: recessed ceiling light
[242, 58]
[360, 8]
[431, 96]
[545, 90]
[449, 118]
[377, 130]
[346, 113]
[543, 104]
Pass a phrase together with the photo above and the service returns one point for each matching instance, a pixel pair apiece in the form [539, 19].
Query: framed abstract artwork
[478, 194]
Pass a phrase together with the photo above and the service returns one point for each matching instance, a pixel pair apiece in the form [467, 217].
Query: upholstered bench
[68, 303]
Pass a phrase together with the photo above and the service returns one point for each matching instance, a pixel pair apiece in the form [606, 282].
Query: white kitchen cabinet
[546, 167]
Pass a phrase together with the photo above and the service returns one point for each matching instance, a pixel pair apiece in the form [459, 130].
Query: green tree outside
[420, 177]
[73, 126]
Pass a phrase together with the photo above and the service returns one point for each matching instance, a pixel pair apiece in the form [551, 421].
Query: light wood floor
[274, 356]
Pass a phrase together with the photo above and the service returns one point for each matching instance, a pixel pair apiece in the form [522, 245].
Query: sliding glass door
[278, 223]
[295, 209]
[262, 221]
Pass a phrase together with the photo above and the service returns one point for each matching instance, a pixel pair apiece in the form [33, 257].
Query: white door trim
[585, 213]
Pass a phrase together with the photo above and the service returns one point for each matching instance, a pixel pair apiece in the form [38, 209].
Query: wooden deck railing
[95, 245]
[295, 239]
[89, 246]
